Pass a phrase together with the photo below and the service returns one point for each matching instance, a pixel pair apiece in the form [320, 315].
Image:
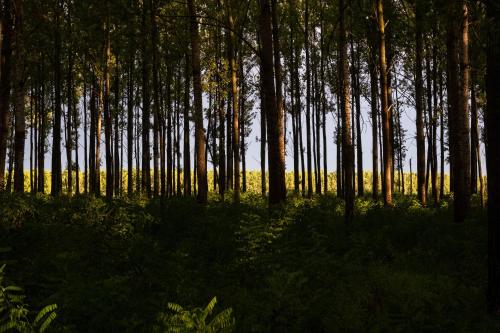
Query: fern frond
[209, 308]
[46, 310]
[50, 318]
[175, 307]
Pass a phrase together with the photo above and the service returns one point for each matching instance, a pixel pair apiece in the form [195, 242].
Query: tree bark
[347, 148]
[5, 83]
[386, 112]
[198, 107]
[419, 92]
[492, 156]
[274, 122]
[19, 96]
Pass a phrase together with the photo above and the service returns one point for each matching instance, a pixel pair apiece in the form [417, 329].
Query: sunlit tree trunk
[386, 112]
[347, 148]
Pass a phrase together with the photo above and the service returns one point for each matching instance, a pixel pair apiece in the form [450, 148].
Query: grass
[113, 266]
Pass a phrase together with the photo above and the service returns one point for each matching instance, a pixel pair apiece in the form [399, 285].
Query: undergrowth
[115, 266]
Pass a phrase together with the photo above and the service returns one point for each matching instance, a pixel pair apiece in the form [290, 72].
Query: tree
[386, 110]
[492, 156]
[347, 148]
[201, 170]
[56, 186]
[274, 121]
[419, 95]
[19, 96]
[5, 81]
[458, 96]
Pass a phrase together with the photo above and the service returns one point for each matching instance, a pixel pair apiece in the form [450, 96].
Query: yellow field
[253, 181]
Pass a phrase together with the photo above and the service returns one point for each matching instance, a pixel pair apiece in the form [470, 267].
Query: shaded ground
[112, 267]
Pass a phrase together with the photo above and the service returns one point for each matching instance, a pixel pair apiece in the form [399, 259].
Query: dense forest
[129, 199]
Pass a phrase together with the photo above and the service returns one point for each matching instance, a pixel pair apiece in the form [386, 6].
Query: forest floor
[114, 266]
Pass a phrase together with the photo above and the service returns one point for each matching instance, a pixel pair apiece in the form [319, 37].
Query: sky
[253, 153]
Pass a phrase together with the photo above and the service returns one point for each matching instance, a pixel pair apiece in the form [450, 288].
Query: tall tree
[56, 183]
[199, 134]
[274, 124]
[7, 23]
[419, 96]
[492, 156]
[347, 147]
[385, 106]
[19, 96]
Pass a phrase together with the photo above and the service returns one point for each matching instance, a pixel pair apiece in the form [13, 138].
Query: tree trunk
[372, 67]
[56, 185]
[69, 141]
[280, 123]
[5, 82]
[19, 96]
[492, 156]
[308, 103]
[458, 89]
[234, 95]
[273, 119]
[474, 135]
[419, 95]
[386, 112]
[146, 167]
[198, 107]
[187, 149]
[347, 148]
[107, 115]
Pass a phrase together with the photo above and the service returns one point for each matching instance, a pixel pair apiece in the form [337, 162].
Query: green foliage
[113, 265]
[14, 315]
[180, 320]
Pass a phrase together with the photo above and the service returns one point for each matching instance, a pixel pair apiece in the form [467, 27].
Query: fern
[180, 320]
[14, 312]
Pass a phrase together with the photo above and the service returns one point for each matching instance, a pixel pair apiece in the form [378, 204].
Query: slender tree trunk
[435, 193]
[492, 156]
[41, 132]
[308, 103]
[19, 96]
[187, 149]
[198, 107]
[234, 95]
[372, 64]
[108, 131]
[116, 154]
[170, 163]
[76, 121]
[419, 95]
[359, 145]
[263, 131]
[146, 105]
[386, 112]
[130, 128]
[5, 82]
[156, 99]
[280, 121]
[347, 148]
[56, 185]
[474, 135]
